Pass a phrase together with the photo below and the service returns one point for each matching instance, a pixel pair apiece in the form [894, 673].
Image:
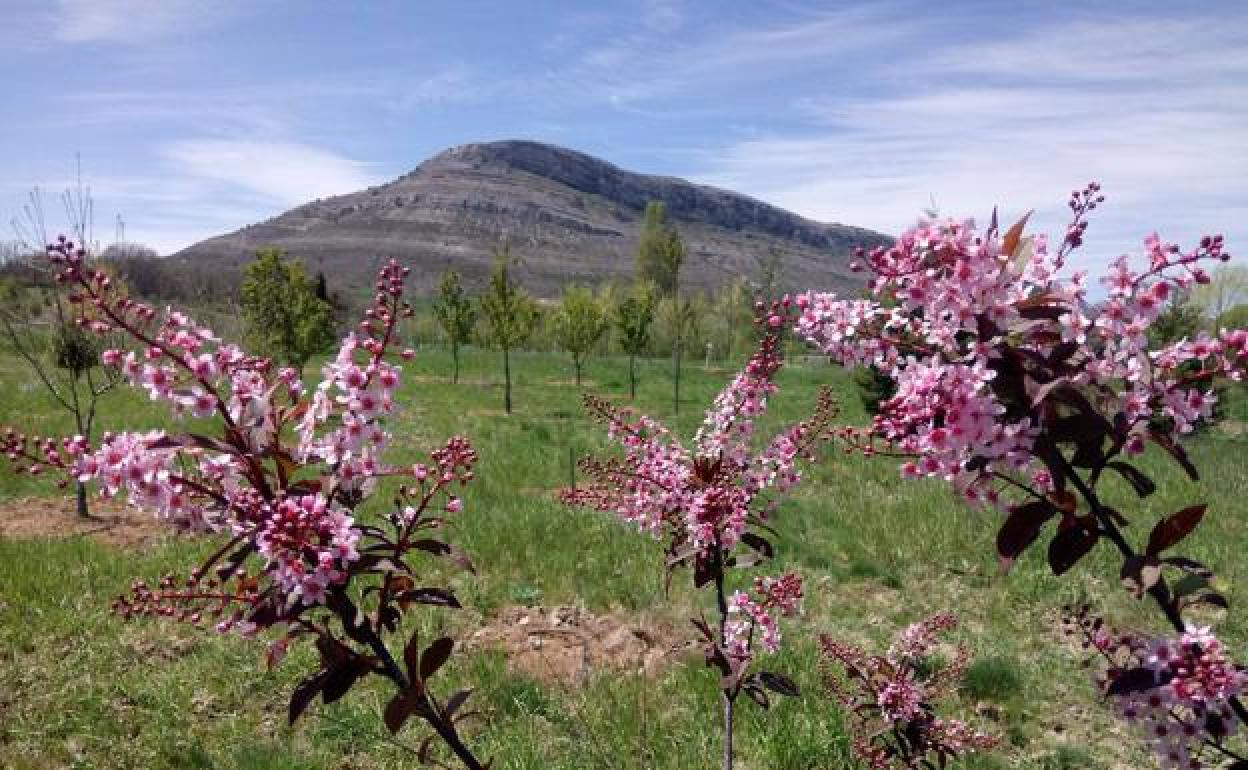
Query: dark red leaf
[411, 655]
[757, 695]
[453, 703]
[435, 547]
[1174, 528]
[400, 707]
[439, 597]
[1021, 528]
[340, 681]
[436, 654]
[1167, 442]
[703, 572]
[1132, 681]
[1212, 598]
[1068, 546]
[779, 683]
[304, 692]
[758, 543]
[1142, 484]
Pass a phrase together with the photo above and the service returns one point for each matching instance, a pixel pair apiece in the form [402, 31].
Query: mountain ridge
[568, 216]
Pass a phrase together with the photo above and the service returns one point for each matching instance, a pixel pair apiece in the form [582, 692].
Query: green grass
[79, 688]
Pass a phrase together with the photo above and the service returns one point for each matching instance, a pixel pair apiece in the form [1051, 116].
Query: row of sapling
[1009, 385]
[581, 321]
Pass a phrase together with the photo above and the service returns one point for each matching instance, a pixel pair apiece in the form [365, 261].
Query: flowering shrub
[710, 504]
[280, 483]
[1016, 389]
[890, 699]
[1176, 690]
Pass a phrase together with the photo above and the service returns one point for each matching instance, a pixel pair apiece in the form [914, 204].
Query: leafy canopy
[580, 321]
[454, 310]
[660, 252]
[510, 313]
[283, 317]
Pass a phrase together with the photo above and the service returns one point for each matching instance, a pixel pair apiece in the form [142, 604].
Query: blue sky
[194, 117]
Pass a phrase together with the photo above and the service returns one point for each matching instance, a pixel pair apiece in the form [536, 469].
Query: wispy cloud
[135, 21]
[1020, 121]
[281, 173]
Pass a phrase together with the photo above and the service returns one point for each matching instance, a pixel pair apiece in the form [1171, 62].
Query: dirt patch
[112, 522]
[567, 645]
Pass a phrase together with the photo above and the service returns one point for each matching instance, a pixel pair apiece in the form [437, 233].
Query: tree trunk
[455, 364]
[80, 493]
[576, 363]
[632, 377]
[728, 709]
[507, 380]
[676, 377]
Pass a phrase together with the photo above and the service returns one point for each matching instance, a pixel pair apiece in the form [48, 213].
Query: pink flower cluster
[1176, 690]
[297, 527]
[749, 615]
[961, 312]
[890, 699]
[706, 498]
[1188, 703]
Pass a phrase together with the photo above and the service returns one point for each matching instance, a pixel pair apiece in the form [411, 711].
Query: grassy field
[79, 688]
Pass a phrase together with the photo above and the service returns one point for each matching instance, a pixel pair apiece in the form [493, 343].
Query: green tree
[874, 387]
[1227, 287]
[1235, 318]
[1181, 318]
[660, 251]
[660, 254]
[510, 315]
[632, 319]
[283, 317]
[456, 315]
[579, 324]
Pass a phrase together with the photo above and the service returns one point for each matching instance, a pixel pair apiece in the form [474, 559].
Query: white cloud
[282, 173]
[135, 21]
[1019, 122]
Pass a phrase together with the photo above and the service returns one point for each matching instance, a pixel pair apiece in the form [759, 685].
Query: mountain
[568, 216]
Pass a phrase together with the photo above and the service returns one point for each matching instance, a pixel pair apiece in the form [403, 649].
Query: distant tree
[660, 251]
[632, 319]
[1181, 318]
[1235, 318]
[874, 387]
[43, 332]
[1227, 287]
[579, 324]
[128, 250]
[660, 254]
[456, 315]
[283, 318]
[510, 315]
[731, 318]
